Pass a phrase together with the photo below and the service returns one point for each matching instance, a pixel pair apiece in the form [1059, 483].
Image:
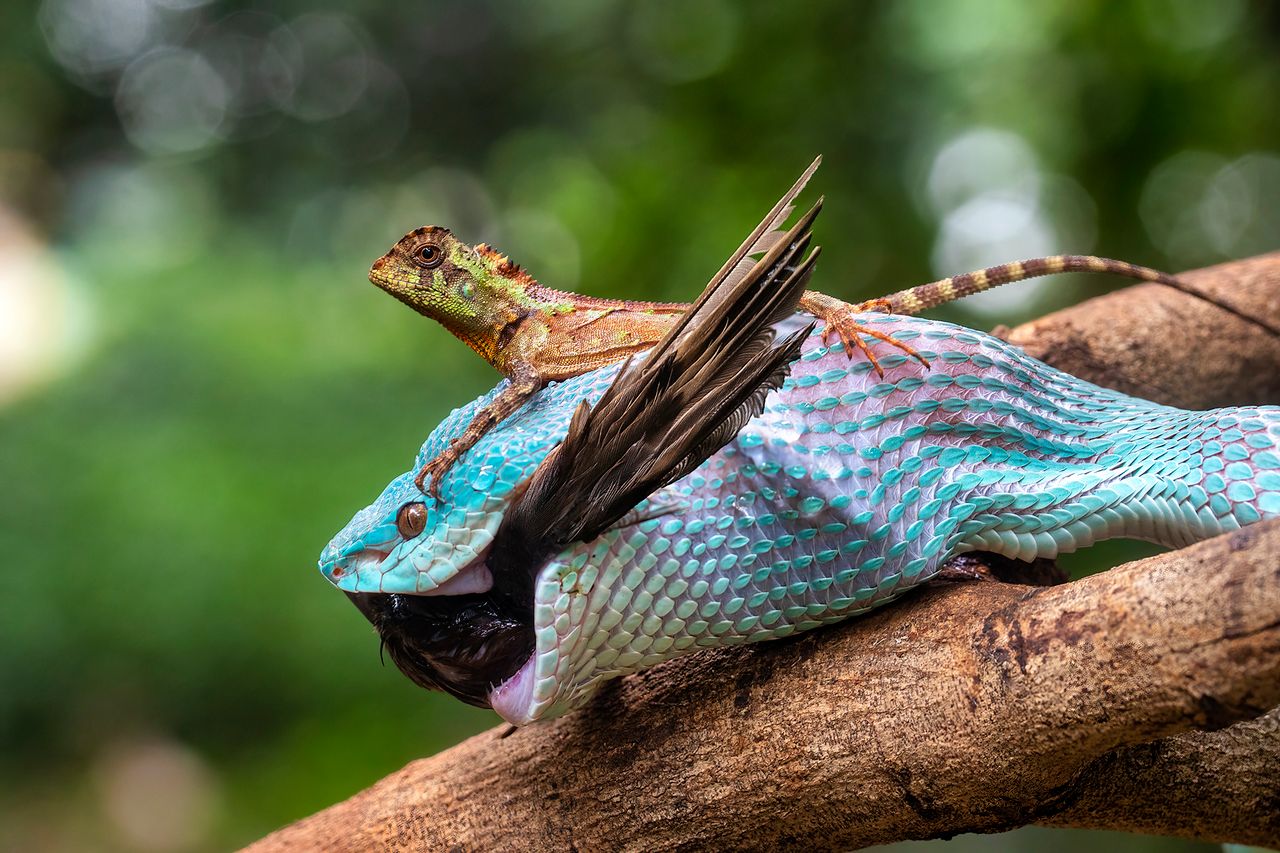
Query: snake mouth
[463, 636]
[449, 569]
[340, 570]
[453, 622]
[461, 644]
[513, 698]
[475, 578]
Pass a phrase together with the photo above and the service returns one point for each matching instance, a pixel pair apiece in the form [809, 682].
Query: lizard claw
[845, 323]
[435, 470]
[510, 399]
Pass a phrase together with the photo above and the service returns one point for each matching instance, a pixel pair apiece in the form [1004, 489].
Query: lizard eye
[411, 519]
[428, 255]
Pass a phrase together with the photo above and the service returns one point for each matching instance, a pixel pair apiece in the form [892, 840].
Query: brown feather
[769, 232]
[665, 414]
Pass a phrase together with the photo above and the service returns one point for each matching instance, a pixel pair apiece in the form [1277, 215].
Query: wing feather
[769, 232]
[666, 413]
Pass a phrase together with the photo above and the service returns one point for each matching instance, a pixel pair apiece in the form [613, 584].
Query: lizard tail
[914, 300]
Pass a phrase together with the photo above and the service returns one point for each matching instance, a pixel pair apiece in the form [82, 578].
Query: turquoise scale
[848, 490]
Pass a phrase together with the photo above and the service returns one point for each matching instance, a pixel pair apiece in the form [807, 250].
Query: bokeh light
[1241, 206]
[682, 40]
[1190, 25]
[93, 36]
[328, 65]
[1171, 206]
[158, 795]
[141, 216]
[172, 101]
[995, 205]
[44, 317]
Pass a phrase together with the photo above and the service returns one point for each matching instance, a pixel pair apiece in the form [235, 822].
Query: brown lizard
[534, 335]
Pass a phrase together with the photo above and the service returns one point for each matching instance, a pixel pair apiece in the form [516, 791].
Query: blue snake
[846, 491]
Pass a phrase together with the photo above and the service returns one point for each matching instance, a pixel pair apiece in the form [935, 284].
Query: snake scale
[846, 491]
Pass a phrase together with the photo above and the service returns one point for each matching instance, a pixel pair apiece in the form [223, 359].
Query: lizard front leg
[503, 406]
[841, 319]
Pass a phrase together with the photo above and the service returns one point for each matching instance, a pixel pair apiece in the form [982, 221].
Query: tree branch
[1117, 701]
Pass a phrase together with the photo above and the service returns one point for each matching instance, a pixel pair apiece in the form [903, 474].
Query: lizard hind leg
[842, 320]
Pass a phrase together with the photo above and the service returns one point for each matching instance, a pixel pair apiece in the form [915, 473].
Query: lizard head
[473, 291]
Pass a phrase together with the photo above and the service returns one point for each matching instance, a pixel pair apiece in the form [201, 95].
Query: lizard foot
[844, 321]
[508, 400]
[435, 469]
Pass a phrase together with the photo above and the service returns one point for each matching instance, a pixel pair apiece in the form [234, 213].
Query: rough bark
[1135, 699]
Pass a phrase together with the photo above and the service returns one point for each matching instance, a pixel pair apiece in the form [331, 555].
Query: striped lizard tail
[914, 300]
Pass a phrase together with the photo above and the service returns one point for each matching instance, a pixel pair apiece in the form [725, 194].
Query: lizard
[533, 334]
[537, 575]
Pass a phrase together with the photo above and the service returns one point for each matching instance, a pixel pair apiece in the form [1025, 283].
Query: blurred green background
[198, 387]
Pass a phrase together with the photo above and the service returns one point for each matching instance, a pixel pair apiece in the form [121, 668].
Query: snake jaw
[345, 572]
[474, 578]
[513, 698]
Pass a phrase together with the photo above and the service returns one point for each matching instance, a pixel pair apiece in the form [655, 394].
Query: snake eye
[428, 255]
[411, 519]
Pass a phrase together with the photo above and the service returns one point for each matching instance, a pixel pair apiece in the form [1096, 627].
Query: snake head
[417, 566]
[408, 543]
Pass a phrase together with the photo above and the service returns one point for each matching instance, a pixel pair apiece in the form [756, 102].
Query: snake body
[847, 491]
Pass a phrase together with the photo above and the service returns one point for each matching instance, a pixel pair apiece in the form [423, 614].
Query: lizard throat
[482, 344]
